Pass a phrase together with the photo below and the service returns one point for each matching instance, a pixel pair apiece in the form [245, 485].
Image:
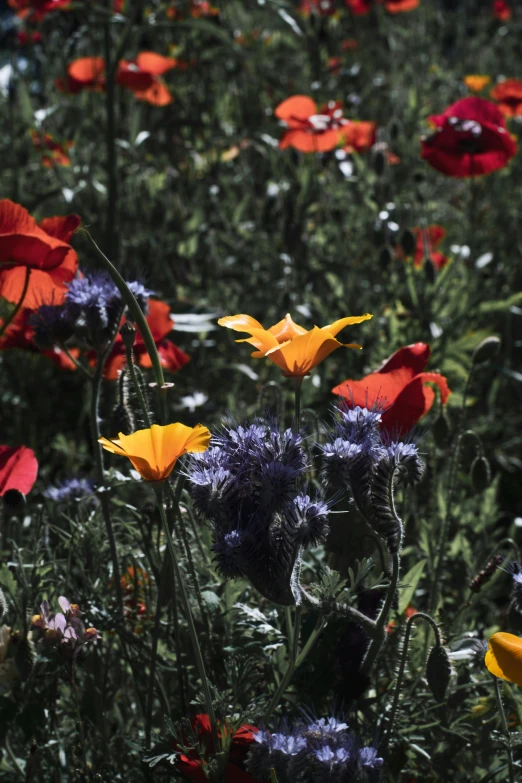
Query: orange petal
[158, 94]
[286, 329]
[336, 327]
[298, 107]
[305, 352]
[240, 323]
[155, 63]
[86, 69]
[504, 657]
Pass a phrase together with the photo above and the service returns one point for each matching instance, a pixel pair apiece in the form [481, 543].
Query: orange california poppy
[504, 657]
[508, 95]
[155, 451]
[43, 248]
[142, 77]
[476, 82]
[295, 350]
[359, 136]
[310, 129]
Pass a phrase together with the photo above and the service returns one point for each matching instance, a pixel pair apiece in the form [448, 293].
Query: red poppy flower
[428, 239]
[310, 129]
[501, 10]
[401, 386]
[18, 469]
[196, 9]
[54, 153]
[37, 8]
[160, 324]
[44, 249]
[142, 76]
[25, 37]
[85, 73]
[508, 94]
[359, 136]
[317, 7]
[470, 139]
[363, 7]
[19, 335]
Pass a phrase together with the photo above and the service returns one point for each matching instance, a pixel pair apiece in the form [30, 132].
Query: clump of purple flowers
[70, 490]
[64, 631]
[249, 486]
[313, 752]
[362, 460]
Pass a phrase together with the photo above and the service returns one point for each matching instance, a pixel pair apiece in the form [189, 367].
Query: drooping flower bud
[486, 350]
[480, 474]
[438, 671]
[441, 430]
[408, 242]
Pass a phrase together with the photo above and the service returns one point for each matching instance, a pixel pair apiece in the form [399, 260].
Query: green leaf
[411, 580]
[7, 580]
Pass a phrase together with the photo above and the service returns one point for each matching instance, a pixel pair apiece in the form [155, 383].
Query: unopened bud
[429, 270]
[128, 334]
[379, 161]
[441, 430]
[14, 500]
[385, 257]
[486, 350]
[438, 671]
[408, 242]
[395, 130]
[480, 474]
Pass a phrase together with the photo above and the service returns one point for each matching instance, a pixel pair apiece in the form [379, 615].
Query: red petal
[380, 388]
[61, 227]
[18, 469]
[172, 358]
[86, 70]
[130, 76]
[298, 107]
[413, 357]
[159, 320]
[158, 94]
[155, 63]
[414, 401]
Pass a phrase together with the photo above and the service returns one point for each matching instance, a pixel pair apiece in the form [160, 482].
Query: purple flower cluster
[248, 485]
[313, 752]
[70, 490]
[64, 630]
[91, 312]
[362, 460]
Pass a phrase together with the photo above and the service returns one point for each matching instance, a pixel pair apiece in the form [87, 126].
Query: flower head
[64, 630]
[310, 129]
[142, 77]
[508, 95]
[155, 451]
[504, 657]
[70, 490]
[428, 238]
[475, 82]
[295, 350]
[470, 139]
[501, 10]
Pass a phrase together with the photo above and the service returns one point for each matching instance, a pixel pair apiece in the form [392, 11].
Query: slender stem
[10, 318]
[298, 382]
[100, 477]
[111, 223]
[505, 728]
[154, 649]
[79, 722]
[137, 386]
[402, 667]
[297, 628]
[380, 635]
[292, 668]
[355, 615]
[79, 366]
[189, 618]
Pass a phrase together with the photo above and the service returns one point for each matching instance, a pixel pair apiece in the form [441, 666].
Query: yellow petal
[262, 340]
[240, 323]
[303, 353]
[504, 657]
[198, 441]
[114, 446]
[336, 327]
[286, 329]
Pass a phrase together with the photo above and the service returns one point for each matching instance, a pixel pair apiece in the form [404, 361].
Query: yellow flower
[155, 451]
[504, 657]
[475, 82]
[295, 350]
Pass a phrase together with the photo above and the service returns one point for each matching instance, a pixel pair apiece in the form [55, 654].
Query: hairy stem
[505, 729]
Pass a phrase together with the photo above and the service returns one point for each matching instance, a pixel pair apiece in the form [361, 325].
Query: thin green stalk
[111, 218]
[137, 386]
[200, 664]
[79, 722]
[505, 728]
[154, 648]
[380, 631]
[298, 382]
[10, 318]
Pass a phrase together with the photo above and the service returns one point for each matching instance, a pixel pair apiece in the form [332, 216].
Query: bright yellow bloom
[504, 657]
[475, 82]
[295, 350]
[155, 451]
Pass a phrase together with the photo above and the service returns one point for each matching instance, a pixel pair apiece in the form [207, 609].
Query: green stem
[111, 226]
[189, 618]
[154, 648]
[137, 386]
[380, 632]
[10, 318]
[505, 728]
[298, 382]
[402, 667]
[79, 722]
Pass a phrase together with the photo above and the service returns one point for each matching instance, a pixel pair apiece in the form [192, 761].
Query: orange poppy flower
[141, 76]
[44, 248]
[310, 129]
[54, 153]
[359, 136]
[508, 94]
[504, 657]
[154, 451]
[85, 73]
[295, 350]
[160, 324]
[475, 82]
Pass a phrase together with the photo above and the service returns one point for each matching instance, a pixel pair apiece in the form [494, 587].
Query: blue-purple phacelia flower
[52, 325]
[70, 490]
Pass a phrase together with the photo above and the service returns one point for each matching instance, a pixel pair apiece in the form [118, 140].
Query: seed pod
[25, 656]
[408, 242]
[486, 350]
[128, 334]
[385, 257]
[480, 474]
[441, 430]
[438, 671]
[487, 572]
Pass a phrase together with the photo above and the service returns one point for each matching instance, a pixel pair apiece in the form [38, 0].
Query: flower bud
[385, 257]
[486, 350]
[128, 334]
[438, 671]
[429, 271]
[480, 474]
[408, 242]
[441, 429]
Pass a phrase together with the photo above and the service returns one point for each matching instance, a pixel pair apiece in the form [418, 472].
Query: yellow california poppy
[476, 82]
[504, 657]
[154, 451]
[295, 350]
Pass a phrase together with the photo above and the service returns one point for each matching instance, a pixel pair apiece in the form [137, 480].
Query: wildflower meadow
[261, 386]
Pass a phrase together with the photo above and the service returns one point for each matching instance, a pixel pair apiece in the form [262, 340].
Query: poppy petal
[298, 107]
[240, 323]
[413, 357]
[18, 469]
[504, 657]
[154, 63]
[61, 227]
[336, 326]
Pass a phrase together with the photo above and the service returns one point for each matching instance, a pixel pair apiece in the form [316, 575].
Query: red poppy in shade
[160, 324]
[85, 73]
[197, 9]
[25, 37]
[37, 8]
[359, 136]
[317, 7]
[18, 469]
[363, 7]
[428, 239]
[54, 153]
[43, 249]
[508, 95]
[191, 767]
[142, 77]
[501, 10]
[470, 139]
[400, 386]
[19, 335]
[310, 129]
